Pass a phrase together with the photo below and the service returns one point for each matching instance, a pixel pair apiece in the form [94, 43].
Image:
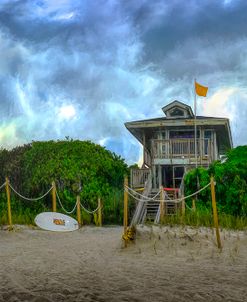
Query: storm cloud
[84, 68]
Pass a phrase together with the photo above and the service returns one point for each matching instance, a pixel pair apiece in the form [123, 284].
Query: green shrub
[77, 167]
[231, 183]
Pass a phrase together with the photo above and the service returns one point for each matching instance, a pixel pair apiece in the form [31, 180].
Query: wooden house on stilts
[170, 148]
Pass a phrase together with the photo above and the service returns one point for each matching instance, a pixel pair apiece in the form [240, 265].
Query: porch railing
[139, 177]
[177, 148]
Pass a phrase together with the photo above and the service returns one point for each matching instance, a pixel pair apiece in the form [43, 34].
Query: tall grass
[204, 217]
[25, 212]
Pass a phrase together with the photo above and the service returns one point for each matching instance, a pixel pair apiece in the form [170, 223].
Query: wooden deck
[182, 148]
[139, 177]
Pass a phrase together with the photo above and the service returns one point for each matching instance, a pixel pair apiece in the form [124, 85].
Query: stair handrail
[157, 217]
[141, 205]
[181, 187]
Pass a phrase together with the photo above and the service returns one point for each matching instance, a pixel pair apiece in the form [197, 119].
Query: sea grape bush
[231, 183]
[77, 167]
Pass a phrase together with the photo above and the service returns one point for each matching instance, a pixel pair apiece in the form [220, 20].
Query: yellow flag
[201, 90]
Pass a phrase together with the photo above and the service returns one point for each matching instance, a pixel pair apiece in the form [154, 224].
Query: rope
[186, 197]
[167, 196]
[27, 198]
[3, 185]
[70, 212]
[171, 200]
[61, 205]
[151, 199]
[132, 190]
[136, 198]
[188, 207]
[59, 200]
[90, 212]
[127, 189]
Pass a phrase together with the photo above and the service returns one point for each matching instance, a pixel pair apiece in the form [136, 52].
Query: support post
[99, 212]
[216, 223]
[183, 206]
[162, 204]
[9, 202]
[195, 130]
[54, 197]
[193, 204]
[125, 221]
[78, 209]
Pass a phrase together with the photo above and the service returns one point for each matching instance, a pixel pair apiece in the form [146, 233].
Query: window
[183, 134]
[156, 135]
[207, 137]
[177, 112]
[159, 135]
[207, 133]
[163, 135]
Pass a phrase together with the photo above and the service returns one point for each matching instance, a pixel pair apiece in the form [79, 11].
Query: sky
[82, 68]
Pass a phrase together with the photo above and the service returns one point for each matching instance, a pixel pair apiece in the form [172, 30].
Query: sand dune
[165, 264]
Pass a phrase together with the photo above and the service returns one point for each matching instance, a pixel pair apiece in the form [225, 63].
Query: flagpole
[195, 122]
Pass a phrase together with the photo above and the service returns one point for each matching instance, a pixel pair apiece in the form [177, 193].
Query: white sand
[168, 264]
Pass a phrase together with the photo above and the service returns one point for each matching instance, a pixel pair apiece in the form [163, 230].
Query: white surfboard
[57, 222]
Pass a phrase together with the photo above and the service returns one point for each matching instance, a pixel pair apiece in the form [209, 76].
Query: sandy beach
[165, 264]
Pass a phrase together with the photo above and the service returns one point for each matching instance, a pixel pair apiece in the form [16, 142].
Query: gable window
[176, 112]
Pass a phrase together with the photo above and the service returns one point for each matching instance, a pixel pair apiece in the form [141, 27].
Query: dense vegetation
[89, 170]
[77, 167]
[231, 183]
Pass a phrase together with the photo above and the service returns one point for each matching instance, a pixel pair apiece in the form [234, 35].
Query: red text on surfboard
[59, 221]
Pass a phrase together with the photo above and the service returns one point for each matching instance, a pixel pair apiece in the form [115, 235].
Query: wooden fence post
[216, 222]
[54, 197]
[183, 206]
[125, 220]
[99, 212]
[78, 209]
[9, 202]
[162, 204]
[193, 204]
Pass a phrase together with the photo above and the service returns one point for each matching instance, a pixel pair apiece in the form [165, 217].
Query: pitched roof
[168, 108]
[158, 119]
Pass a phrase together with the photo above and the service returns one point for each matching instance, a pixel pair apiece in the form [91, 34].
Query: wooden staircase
[171, 207]
[152, 206]
[149, 210]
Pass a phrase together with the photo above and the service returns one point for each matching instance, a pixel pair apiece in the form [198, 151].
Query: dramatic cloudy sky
[82, 68]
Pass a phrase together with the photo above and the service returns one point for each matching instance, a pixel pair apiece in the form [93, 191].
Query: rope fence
[91, 212]
[146, 198]
[30, 199]
[78, 205]
[2, 185]
[61, 205]
[143, 197]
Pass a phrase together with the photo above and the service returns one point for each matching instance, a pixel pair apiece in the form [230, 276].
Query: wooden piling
[183, 206]
[54, 197]
[193, 204]
[125, 221]
[99, 212]
[216, 222]
[9, 202]
[78, 210]
[162, 204]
